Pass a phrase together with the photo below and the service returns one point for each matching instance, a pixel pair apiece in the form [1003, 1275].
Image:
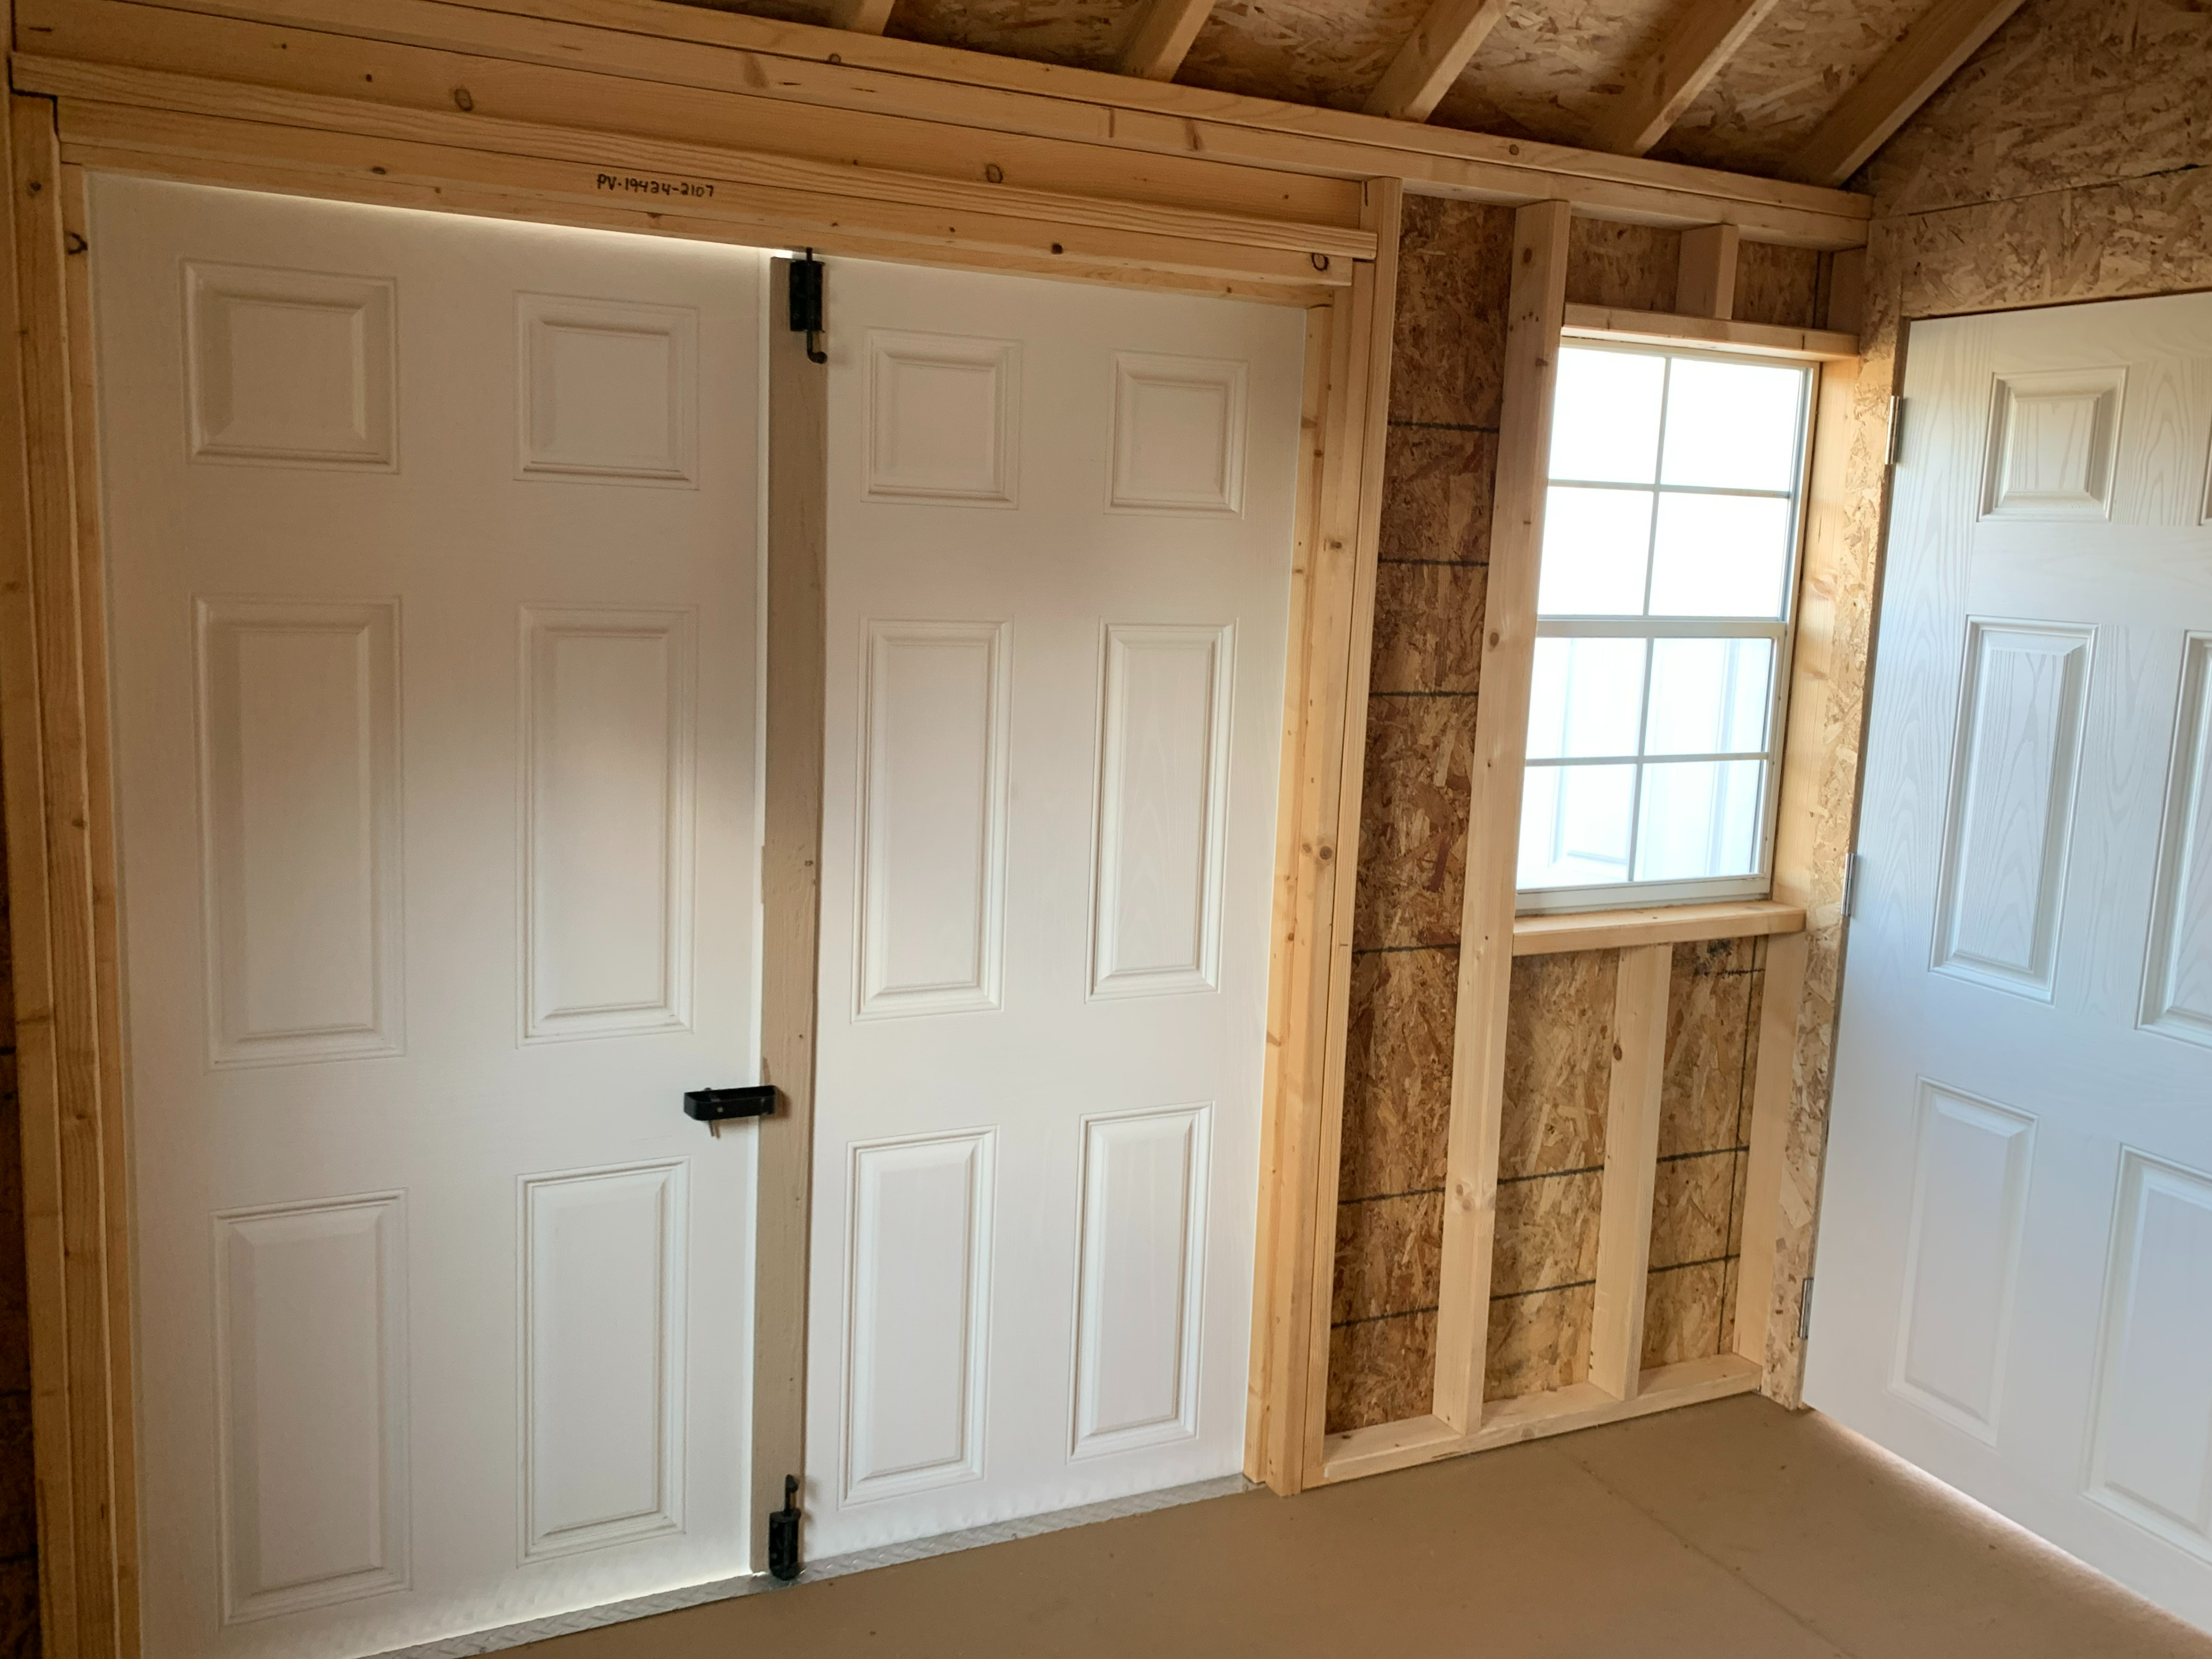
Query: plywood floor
[1729, 1531]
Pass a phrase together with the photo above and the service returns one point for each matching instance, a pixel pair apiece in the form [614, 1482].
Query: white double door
[2014, 1279]
[1060, 530]
[433, 574]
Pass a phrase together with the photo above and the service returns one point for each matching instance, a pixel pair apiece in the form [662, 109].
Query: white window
[1671, 529]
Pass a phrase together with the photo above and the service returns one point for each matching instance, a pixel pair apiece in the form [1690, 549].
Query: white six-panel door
[432, 593]
[1059, 550]
[2014, 1282]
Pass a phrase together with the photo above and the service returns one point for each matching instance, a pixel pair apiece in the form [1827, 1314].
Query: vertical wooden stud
[1705, 283]
[78, 1391]
[1537, 310]
[791, 872]
[107, 943]
[1774, 1087]
[1631, 1167]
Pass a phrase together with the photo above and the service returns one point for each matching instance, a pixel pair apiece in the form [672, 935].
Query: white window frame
[1637, 895]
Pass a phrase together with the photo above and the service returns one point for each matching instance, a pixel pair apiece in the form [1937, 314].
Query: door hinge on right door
[1896, 430]
[1852, 866]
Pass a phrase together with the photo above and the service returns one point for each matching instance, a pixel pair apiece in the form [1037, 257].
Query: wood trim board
[797, 556]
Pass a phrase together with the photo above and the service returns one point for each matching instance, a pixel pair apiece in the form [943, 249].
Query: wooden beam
[1632, 1168]
[761, 59]
[79, 1356]
[1448, 35]
[125, 34]
[1666, 328]
[797, 552]
[1536, 308]
[1907, 77]
[1774, 1087]
[1700, 40]
[1161, 37]
[862, 17]
[1705, 281]
[1318, 819]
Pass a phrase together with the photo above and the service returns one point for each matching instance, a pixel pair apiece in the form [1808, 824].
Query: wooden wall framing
[703, 125]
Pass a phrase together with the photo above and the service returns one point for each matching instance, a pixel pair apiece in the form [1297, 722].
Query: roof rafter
[1427, 64]
[1161, 38]
[1700, 40]
[863, 16]
[1940, 39]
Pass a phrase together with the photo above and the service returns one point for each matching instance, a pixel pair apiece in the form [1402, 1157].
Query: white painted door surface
[1059, 550]
[2014, 1282]
[432, 549]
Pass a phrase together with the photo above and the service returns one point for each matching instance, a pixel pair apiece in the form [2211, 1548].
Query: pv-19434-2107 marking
[630, 184]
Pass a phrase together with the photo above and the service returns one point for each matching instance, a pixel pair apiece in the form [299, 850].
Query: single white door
[1059, 551]
[2014, 1286]
[433, 571]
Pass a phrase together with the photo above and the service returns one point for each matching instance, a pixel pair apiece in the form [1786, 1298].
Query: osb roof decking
[1545, 69]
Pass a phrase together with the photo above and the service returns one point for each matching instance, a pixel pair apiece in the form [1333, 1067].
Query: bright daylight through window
[1670, 540]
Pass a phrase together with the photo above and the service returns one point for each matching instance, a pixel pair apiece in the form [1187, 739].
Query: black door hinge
[806, 305]
[783, 1534]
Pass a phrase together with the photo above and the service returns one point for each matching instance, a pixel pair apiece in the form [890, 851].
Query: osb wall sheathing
[1454, 263]
[2069, 159]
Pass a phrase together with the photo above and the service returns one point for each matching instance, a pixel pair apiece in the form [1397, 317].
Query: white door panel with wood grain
[2016, 1229]
[1061, 526]
[434, 571]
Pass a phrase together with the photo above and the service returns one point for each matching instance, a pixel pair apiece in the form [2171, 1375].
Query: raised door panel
[1178, 434]
[933, 817]
[608, 790]
[2015, 771]
[311, 1367]
[609, 391]
[944, 418]
[1142, 1260]
[2053, 440]
[299, 765]
[603, 1343]
[918, 1256]
[1969, 1197]
[290, 367]
[1163, 810]
[2152, 1456]
[2177, 983]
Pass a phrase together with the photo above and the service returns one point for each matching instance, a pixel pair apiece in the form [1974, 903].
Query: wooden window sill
[1672, 923]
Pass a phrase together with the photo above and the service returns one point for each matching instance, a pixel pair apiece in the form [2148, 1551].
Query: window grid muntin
[1651, 629]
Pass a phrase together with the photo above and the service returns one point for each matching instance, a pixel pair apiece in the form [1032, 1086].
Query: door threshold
[502, 1636]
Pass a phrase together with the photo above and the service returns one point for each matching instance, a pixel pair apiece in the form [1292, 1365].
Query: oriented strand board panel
[1440, 461]
[1777, 285]
[1790, 72]
[1082, 34]
[1704, 1130]
[1551, 1171]
[1309, 52]
[1547, 69]
[2065, 96]
[1632, 267]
